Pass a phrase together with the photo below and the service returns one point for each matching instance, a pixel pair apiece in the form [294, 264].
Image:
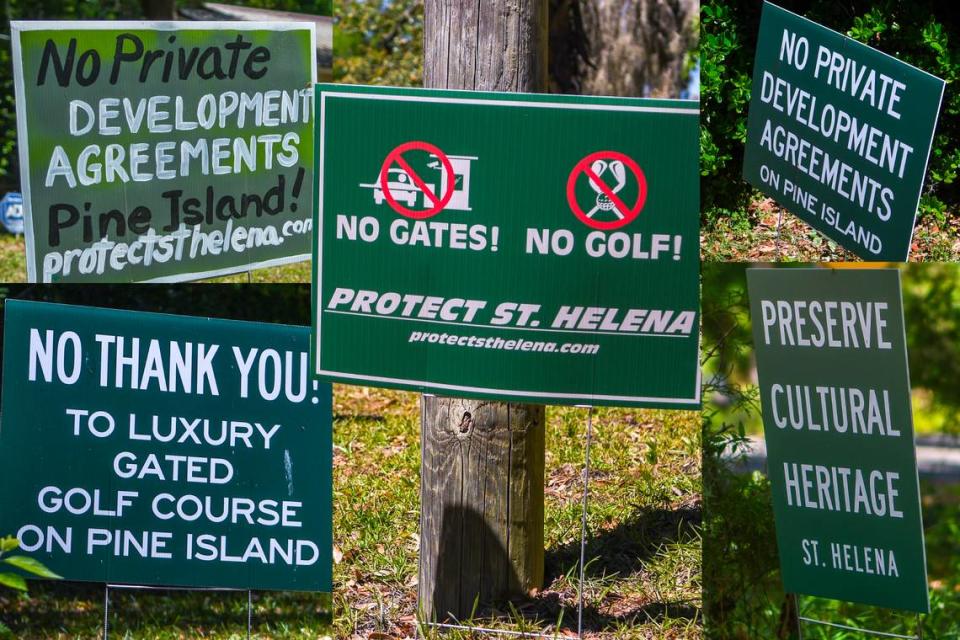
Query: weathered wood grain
[481, 535]
[489, 45]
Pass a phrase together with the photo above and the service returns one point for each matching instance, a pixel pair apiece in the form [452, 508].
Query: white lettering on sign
[844, 489]
[166, 367]
[31, 538]
[173, 468]
[43, 353]
[829, 324]
[208, 547]
[235, 510]
[78, 501]
[110, 163]
[853, 185]
[568, 318]
[203, 431]
[405, 305]
[844, 73]
[839, 409]
[863, 559]
[600, 244]
[421, 233]
[274, 373]
[625, 320]
[835, 124]
[124, 543]
[867, 85]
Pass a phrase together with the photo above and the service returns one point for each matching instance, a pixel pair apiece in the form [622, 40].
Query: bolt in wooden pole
[481, 524]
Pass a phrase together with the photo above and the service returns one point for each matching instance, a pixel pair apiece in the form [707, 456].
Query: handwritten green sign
[164, 151]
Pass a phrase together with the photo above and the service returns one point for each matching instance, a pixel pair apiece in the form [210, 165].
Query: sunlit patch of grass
[13, 266]
[13, 258]
[296, 272]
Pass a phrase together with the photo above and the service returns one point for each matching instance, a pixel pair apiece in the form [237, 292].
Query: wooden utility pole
[481, 524]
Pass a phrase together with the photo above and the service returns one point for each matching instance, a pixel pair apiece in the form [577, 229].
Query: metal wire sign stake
[777, 240]
[836, 625]
[583, 522]
[106, 601]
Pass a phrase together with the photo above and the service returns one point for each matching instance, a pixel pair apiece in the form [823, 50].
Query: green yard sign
[835, 391]
[525, 247]
[164, 151]
[839, 133]
[152, 449]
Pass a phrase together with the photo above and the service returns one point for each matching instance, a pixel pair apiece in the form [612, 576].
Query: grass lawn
[13, 258]
[799, 242]
[643, 546]
[13, 266]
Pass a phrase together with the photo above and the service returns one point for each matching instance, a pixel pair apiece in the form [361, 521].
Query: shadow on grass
[618, 553]
[623, 549]
[549, 606]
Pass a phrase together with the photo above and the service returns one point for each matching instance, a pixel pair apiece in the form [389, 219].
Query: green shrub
[924, 33]
[378, 43]
[15, 579]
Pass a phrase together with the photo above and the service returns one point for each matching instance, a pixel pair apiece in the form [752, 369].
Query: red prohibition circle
[396, 156]
[629, 213]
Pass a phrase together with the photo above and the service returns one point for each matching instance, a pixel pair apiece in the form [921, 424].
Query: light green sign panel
[164, 151]
[522, 247]
[835, 392]
[154, 449]
[839, 133]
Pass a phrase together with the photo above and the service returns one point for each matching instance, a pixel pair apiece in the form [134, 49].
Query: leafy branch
[24, 563]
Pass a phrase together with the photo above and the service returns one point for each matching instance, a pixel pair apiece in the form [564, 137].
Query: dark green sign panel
[839, 133]
[154, 449]
[835, 392]
[164, 151]
[531, 247]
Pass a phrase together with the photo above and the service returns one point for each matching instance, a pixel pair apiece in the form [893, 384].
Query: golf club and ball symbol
[603, 202]
[607, 173]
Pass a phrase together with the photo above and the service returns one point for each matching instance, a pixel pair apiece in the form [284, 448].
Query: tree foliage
[924, 33]
[23, 564]
[377, 42]
[310, 7]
